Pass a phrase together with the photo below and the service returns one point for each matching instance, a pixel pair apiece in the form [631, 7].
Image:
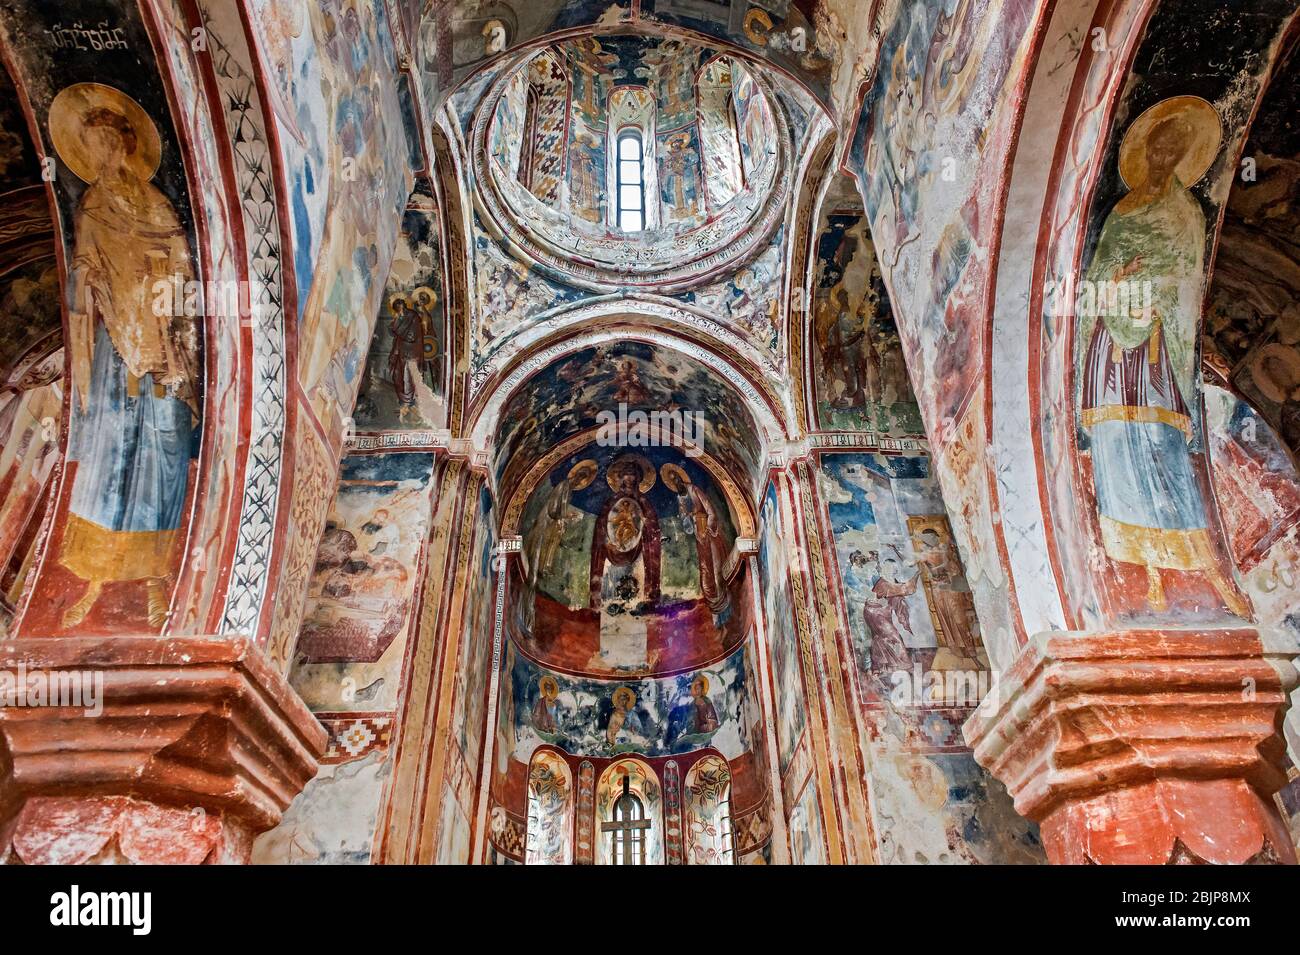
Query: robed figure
[625, 562]
[1138, 329]
[134, 372]
[700, 521]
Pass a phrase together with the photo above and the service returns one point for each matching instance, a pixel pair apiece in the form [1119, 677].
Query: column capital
[170, 738]
[1144, 746]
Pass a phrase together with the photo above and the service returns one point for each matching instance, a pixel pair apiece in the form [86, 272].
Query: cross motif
[624, 828]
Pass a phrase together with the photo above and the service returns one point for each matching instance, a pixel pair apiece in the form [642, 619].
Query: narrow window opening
[630, 185]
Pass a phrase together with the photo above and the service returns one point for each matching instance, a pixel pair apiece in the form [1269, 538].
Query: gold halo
[702, 679]
[1269, 386]
[625, 693]
[582, 474]
[674, 477]
[648, 475]
[394, 299]
[423, 293]
[67, 122]
[1198, 155]
[549, 687]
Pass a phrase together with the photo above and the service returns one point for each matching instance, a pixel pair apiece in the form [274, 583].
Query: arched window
[627, 828]
[630, 173]
[708, 813]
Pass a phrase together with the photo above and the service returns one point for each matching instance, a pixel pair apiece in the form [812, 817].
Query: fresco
[807, 841]
[859, 375]
[707, 801]
[649, 716]
[942, 91]
[782, 637]
[29, 449]
[362, 590]
[906, 591]
[470, 690]
[135, 376]
[625, 553]
[568, 396]
[1258, 490]
[404, 382]
[1252, 321]
[334, 97]
[550, 810]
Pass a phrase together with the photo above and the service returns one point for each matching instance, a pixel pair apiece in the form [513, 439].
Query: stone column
[145, 749]
[1145, 746]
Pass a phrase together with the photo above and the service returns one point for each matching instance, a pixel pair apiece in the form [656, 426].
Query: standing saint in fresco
[625, 562]
[585, 177]
[134, 373]
[681, 162]
[1138, 364]
[700, 520]
[885, 611]
[411, 358]
[951, 602]
[556, 516]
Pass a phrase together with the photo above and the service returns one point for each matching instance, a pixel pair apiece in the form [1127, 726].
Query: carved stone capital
[1144, 746]
[175, 749]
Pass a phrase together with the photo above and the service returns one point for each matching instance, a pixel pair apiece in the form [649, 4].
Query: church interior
[649, 432]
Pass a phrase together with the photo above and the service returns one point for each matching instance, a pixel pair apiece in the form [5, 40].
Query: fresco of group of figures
[570, 396]
[136, 377]
[333, 93]
[403, 384]
[1163, 184]
[362, 592]
[859, 374]
[625, 555]
[906, 591]
[932, 122]
[715, 706]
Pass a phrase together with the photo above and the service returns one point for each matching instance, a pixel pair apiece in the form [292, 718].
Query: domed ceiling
[632, 161]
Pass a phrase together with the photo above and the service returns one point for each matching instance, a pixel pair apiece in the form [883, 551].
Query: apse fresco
[403, 385]
[650, 716]
[362, 591]
[859, 375]
[136, 376]
[907, 596]
[626, 556]
[568, 396]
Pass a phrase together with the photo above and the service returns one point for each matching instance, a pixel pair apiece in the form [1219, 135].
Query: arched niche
[707, 805]
[635, 777]
[550, 810]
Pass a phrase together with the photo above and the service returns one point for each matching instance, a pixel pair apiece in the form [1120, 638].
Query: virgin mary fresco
[1138, 364]
[134, 373]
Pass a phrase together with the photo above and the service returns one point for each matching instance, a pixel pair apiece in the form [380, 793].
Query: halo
[674, 477]
[582, 474]
[648, 476]
[549, 687]
[625, 693]
[1268, 386]
[1198, 153]
[394, 299]
[67, 122]
[423, 294]
[702, 679]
